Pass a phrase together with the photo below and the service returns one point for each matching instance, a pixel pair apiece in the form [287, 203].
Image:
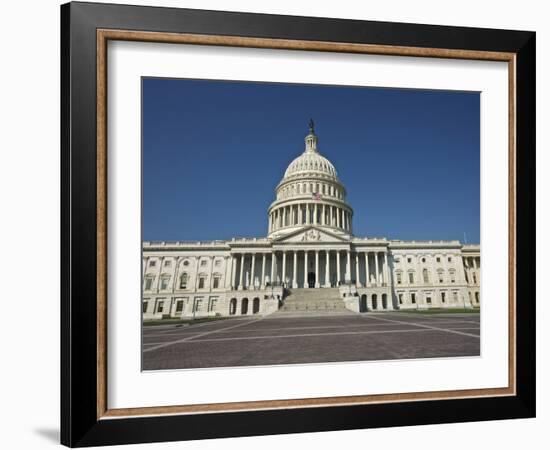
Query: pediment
[311, 235]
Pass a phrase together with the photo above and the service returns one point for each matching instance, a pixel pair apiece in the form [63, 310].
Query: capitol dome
[310, 193]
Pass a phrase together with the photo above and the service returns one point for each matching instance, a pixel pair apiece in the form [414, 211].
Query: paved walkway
[277, 339]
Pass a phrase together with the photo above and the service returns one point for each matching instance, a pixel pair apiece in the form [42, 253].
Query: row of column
[269, 275]
[309, 188]
[471, 268]
[310, 214]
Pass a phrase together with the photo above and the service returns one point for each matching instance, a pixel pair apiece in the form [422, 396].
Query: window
[409, 260]
[438, 259]
[423, 260]
[398, 277]
[474, 277]
[186, 262]
[429, 300]
[198, 304]
[449, 259]
[455, 296]
[396, 260]
[443, 297]
[167, 263]
[440, 275]
[218, 262]
[212, 305]
[179, 306]
[413, 297]
[201, 283]
[203, 263]
[216, 282]
[144, 307]
[400, 296]
[425, 276]
[152, 263]
[411, 277]
[183, 280]
[160, 306]
[148, 283]
[452, 276]
[164, 282]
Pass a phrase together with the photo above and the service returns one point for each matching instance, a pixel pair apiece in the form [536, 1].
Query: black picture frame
[80, 425]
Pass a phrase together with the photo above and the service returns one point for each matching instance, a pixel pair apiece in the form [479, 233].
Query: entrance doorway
[311, 279]
[363, 303]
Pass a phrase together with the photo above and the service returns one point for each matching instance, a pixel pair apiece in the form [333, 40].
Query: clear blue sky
[213, 152]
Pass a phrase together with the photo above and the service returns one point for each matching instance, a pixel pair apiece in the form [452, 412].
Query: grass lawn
[177, 321]
[441, 311]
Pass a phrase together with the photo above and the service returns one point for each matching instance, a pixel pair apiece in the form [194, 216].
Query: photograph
[287, 223]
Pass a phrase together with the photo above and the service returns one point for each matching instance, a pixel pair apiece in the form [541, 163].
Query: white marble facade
[309, 245]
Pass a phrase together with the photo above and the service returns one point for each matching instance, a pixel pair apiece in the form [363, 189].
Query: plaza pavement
[289, 339]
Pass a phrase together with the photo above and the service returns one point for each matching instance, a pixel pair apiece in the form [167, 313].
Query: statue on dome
[311, 126]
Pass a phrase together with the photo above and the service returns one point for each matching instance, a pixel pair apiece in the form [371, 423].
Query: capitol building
[310, 262]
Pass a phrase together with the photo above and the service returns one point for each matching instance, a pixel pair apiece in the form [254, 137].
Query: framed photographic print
[277, 224]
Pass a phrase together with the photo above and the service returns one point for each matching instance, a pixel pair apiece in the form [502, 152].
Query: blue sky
[213, 152]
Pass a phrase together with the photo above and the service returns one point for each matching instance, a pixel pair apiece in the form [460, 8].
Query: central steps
[315, 301]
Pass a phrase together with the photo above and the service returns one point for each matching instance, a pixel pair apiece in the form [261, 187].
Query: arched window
[183, 280]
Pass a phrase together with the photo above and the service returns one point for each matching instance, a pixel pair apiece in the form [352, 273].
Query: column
[251, 286]
[337, 217]
[272, 277]
[377, 273]
[211, 270]
[284, 217]
[174, 280]
[343, 222]
[241, 273]
[262, 281]
[357, 280]
[386, 273]
[327, 269]
[315, 213]
[305, 270]
[323, 220]
[295, 271]
[348, 266]
[283, 275]
[337, 267]
[233, 271]
[317, 284]
[367, 279]
[301, 215]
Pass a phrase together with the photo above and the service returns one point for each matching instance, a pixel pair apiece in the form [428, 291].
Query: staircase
[313, 301]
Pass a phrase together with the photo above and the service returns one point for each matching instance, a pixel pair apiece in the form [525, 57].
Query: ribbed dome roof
[310, 161]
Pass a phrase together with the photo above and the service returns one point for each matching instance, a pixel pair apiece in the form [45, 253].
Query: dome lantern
[311, 138]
